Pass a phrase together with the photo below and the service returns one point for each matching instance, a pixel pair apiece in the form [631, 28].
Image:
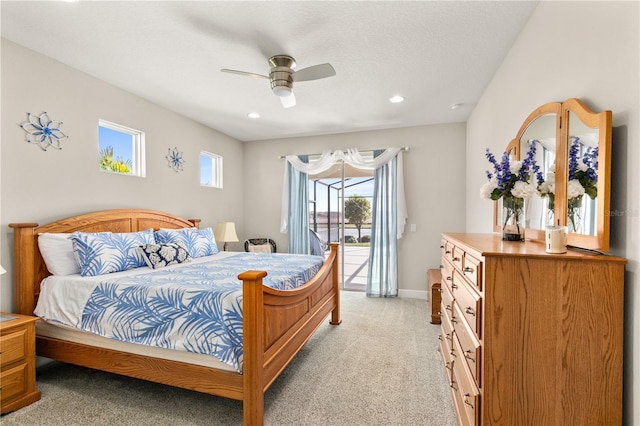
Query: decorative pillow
[105, 252]
[199, 242]
[160, 255]
[260, 248]
[57, 252]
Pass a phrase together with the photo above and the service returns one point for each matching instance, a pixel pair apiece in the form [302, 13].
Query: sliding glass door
[340, 211]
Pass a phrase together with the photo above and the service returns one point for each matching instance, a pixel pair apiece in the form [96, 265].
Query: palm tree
[119, 165]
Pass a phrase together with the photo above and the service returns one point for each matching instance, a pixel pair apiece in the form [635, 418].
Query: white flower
[515, 167]
[488, 187]
[574, 189]
[523, 189]
[547, 187]
[583, 167]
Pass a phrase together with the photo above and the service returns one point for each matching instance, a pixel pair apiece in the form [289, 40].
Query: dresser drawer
[12, 347]
[458, 255]
[466, 410]
[447, 250]
[14, 383]
[445, 352]
[469, 304]
[471, 351]
[447, 274]
[472, 270]
[447, 301]
[469, 393]
[446, 325]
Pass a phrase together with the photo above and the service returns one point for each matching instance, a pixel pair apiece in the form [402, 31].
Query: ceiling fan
[282, 76]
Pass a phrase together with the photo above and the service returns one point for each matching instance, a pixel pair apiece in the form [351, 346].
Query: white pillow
[260, 248]
[57, 252]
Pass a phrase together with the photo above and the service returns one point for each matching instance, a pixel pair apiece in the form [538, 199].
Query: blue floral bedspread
[195, 307]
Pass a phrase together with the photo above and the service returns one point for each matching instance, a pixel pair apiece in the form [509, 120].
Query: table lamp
[226, 233]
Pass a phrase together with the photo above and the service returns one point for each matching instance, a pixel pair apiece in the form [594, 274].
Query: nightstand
[17, 362]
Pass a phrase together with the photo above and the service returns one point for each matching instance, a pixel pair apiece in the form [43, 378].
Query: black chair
[260, 245]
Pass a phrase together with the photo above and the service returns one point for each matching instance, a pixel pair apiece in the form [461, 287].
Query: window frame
[138, 166]
[216, 169]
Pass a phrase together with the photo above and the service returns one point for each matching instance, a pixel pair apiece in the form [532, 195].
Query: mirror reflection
[542, 133]
[582, 179]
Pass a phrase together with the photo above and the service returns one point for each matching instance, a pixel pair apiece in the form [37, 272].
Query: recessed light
[396, 99]
[253, 115]
[455, 106]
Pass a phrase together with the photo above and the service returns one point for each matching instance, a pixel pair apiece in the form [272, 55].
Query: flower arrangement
[583, 179]
[512, 180]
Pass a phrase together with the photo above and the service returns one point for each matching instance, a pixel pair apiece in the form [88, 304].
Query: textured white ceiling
[435, 53]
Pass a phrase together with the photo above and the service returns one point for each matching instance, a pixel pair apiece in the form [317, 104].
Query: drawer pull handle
[467, 355]
[467, 402]
[440, 337]
[448, 278]
[452, 353]
[441, 266]
[448, 307]
[470, 311]
[448, 366]
[448, 252]
[448, 336]
[454, 286]
[453, 385]
[468, 269]
[453, 320]
[441, 246]
[456, 259]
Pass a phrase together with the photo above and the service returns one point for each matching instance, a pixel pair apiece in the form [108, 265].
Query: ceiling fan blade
[248, 74]
[288, 101]
[314, 72]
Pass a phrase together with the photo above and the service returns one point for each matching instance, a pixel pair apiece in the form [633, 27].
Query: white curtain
[352, 157]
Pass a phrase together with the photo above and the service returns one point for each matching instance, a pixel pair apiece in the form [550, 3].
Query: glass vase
[513, 219]
[575, 214]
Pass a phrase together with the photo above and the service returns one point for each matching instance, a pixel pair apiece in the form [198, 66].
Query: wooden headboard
[29, 268]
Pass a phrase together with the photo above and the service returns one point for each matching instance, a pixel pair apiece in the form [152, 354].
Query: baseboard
[412, 294]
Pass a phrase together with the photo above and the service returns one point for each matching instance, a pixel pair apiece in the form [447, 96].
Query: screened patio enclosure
[328, 193]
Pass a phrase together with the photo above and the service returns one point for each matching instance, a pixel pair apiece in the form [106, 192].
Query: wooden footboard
[276, 323]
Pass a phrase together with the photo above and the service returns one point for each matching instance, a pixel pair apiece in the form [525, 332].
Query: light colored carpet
[380, 367]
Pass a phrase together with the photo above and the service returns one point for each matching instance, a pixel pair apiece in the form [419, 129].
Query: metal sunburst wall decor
[43, 131]
[175, 159]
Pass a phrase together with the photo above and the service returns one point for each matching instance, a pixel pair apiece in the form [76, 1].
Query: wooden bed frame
[276, 323]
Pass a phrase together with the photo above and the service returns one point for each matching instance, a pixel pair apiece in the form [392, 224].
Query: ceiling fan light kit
[282, 76]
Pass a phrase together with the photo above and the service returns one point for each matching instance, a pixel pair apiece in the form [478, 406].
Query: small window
[210, 169]
[121, 149]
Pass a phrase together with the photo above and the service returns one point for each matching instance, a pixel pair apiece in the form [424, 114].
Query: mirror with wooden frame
[573, 146]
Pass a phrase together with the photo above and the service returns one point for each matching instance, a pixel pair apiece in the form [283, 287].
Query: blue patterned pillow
[106, 252]
[160, 255]
[199, 242]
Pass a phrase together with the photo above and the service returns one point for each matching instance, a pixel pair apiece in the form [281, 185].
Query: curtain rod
[404, 148]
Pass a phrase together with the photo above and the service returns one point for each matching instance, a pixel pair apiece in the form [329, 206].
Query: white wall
[586, 50]
[43, 186]
[434, 181]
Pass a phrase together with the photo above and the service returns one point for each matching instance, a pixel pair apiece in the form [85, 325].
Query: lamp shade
[2, 270]
[225, 233]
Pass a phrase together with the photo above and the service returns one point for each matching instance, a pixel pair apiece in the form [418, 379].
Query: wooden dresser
[530, 338]
[17, 362]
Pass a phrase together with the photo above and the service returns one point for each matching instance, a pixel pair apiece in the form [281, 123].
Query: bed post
[253, 347]
[335, 313]
[24, 268]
